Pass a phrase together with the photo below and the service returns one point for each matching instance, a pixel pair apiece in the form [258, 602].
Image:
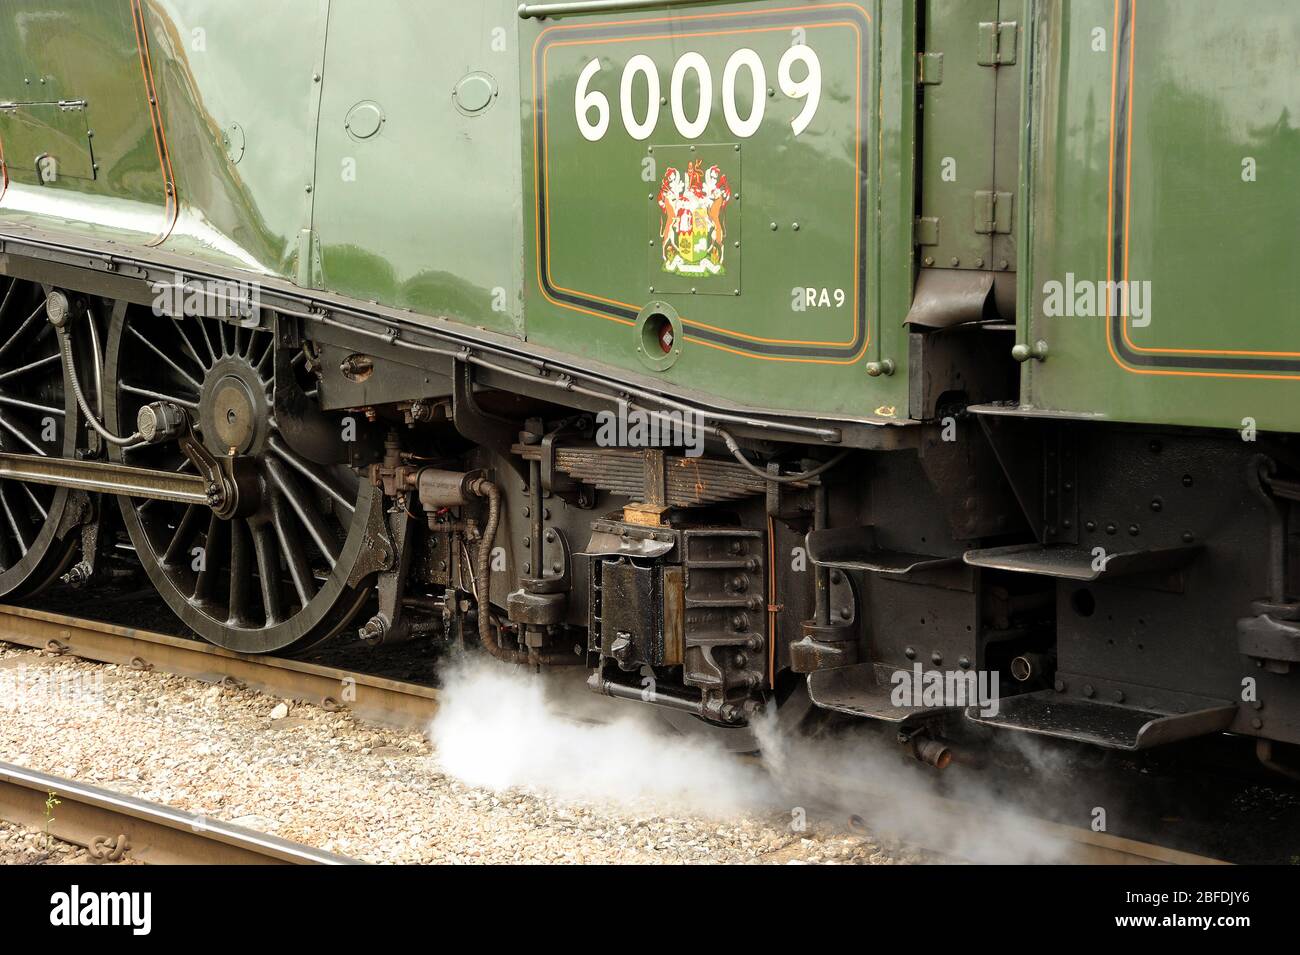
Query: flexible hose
[65, 347]
[483, 584]
[808, 475]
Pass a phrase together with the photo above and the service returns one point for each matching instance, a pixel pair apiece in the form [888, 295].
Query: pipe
[482, 571]
[1030, 666]
[69, 365]
[932, 752]
[669, 700]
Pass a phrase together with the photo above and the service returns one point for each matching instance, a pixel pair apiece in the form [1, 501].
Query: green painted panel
[958, 120]
[212, 76]
[1164, 155]
[636, 130]
[418, 183]
[77, 53]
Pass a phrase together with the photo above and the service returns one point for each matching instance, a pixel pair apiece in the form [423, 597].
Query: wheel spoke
[36, 502]
[12, 429]
[9, 516]
[241, 575]
[189, 345]
[261, 364]
[22, 328]
[184, 533]
[311, 520]
[268, 572]
[32, 406]
[207, 339]
[206, 581]
[167, 358]
[291, 547]
[158, 396]
[39, 363]
[4, 305]
[295, 462]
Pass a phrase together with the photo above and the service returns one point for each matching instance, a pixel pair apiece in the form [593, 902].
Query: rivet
[1088, 690]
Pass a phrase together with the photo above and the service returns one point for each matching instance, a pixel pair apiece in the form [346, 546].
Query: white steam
[501, 727]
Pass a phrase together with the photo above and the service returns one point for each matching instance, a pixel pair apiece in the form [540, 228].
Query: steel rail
[114, 826]
[413, 706]
[374, 698]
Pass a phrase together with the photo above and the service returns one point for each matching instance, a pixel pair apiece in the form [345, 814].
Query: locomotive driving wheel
[37, 416]
[275, 580]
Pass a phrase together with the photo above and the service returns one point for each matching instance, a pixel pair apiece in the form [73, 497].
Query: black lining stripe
[1122, 82]
[671, 28]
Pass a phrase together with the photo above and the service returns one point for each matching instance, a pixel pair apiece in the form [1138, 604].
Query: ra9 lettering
[744, 71]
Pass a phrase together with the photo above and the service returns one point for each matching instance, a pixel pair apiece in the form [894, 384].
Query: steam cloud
[501, 728]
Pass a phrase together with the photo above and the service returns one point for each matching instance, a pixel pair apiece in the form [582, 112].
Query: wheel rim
[278, 580]
[35, 408]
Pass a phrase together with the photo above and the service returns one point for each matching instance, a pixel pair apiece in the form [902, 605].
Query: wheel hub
[234, 413]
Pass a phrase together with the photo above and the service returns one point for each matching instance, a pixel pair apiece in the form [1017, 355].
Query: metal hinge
[927, 230]
[929, 69]
[997, 44]
[993, 212]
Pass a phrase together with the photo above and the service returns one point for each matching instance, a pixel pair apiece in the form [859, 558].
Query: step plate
[1048, 713]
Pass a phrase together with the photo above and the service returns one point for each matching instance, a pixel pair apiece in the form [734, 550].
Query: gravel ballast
[328, 780]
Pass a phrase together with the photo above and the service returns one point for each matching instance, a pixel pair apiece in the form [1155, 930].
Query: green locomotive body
[959, 336]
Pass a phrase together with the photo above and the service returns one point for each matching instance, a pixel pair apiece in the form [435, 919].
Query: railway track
[113, 826]
[412, 705]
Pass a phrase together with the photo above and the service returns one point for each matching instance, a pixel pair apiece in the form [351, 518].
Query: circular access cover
[474, 93]
[364, 120]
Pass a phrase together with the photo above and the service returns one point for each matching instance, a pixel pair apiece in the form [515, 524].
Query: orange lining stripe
[1128, 203]
[171, 210]
[545, 139]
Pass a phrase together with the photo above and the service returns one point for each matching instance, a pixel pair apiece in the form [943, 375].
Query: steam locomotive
[799, 353]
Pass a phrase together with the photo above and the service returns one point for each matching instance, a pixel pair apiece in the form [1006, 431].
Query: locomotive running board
[1108, 725]
[1071, 562]
[104, 477]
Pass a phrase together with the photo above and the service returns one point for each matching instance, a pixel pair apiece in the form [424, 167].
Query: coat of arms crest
[694, 223]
